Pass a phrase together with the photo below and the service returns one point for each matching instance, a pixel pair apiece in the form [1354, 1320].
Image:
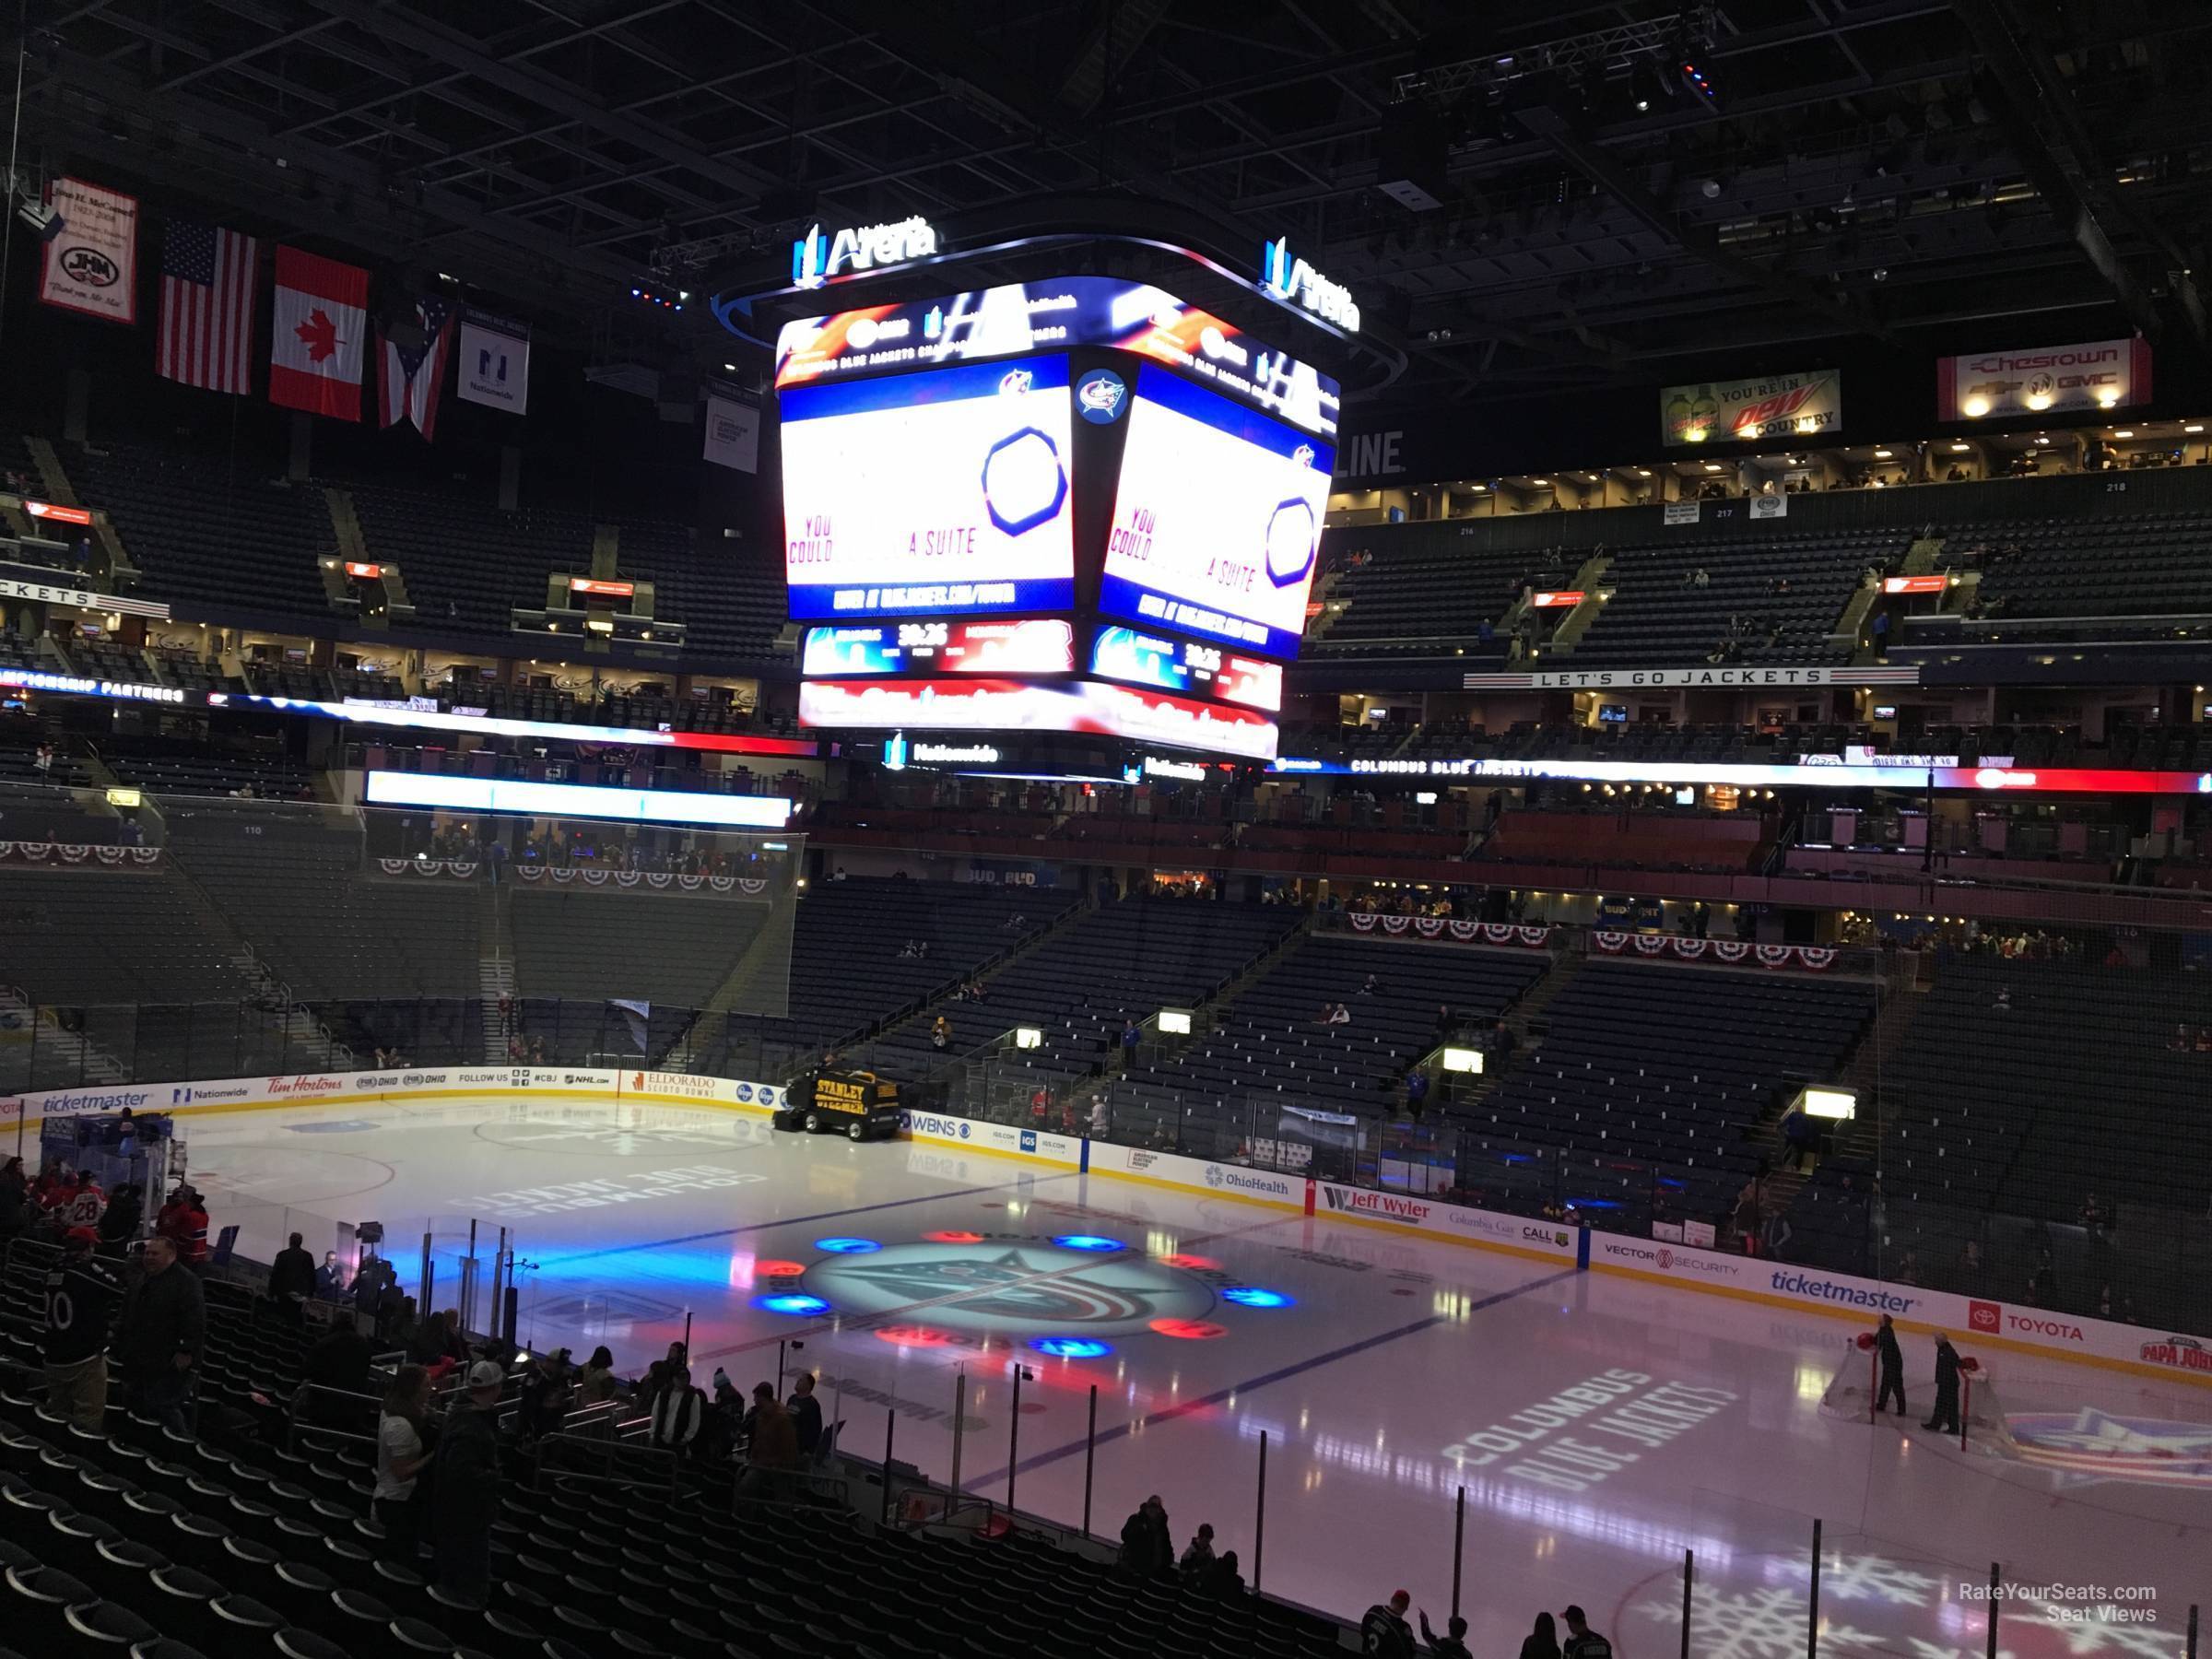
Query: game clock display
[930, 494]
[1138, 658]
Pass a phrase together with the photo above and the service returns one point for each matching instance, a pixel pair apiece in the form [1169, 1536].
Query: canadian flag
[322, 331]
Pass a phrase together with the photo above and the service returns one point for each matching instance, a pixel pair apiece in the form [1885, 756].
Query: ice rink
[1600, 1425]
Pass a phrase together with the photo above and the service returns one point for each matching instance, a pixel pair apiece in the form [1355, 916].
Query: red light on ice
[953, 1238]
[1198, 1263]
[915, 1337]
[778, 1269]
[1190, 1330]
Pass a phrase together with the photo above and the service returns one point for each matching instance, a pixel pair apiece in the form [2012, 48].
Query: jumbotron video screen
[1110, 544]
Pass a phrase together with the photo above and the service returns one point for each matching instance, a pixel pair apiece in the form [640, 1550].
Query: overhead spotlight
[1975, 407]
[1694, 80]
[1710, 189]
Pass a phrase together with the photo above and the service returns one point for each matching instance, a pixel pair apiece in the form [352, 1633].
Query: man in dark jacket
[82, 1293]
[1583, 1643]
[291, 1281]
[807, 1415]
[1891, 1360]
[465, 1494]
[1384, 1631]
[121, 1221]
[1148, 1549]
[161, 1333]
[1947, 1387]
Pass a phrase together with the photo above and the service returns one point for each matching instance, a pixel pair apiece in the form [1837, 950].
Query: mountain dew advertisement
[1736, 411]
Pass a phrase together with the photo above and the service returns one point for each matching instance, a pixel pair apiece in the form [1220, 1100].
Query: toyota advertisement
[930, 494]
[1216, 519]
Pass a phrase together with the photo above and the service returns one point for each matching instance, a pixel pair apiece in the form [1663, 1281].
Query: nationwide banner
[1774, 405]
[733, 433]
[92, 263]
[495, 362]
[2044, 380]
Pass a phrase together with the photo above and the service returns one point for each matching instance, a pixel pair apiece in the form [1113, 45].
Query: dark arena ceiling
[1862, 170]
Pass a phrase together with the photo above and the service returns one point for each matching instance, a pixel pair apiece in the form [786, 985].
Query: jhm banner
[1774, 405]
[92, 261]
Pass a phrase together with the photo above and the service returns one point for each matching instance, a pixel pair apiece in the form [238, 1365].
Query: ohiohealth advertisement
[930, 493]
[1216, 522]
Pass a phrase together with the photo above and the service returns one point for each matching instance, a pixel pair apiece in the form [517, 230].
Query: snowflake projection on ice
[1898, 1609]
[1760, 1624]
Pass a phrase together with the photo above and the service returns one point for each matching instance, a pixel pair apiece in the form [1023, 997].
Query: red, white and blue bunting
[58, 852]
[1437, 927]
[654, 880]
[1819, 958]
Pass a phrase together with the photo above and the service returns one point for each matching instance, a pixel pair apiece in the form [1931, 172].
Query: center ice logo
[1012, 1285]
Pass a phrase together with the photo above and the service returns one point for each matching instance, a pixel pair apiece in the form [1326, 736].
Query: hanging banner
[495, 362]
[316, 348]
[1774, 405]
[92, 261]
[1681, 512]
[2048, 379]
[733, 433]
[1769, 506]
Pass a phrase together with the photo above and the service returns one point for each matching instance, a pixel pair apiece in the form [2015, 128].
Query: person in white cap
[465, 1494]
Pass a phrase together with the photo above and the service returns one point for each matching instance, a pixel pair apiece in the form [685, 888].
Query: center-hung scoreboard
[1059, 514]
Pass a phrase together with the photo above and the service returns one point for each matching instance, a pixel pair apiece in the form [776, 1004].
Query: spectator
[402, 1450]
[2003, 1003]
[161, 1333]
[1416, 1093]
[805, 1416]
[679, 1413]
[1454, 1645]
[183, 1223]
[2093, 1217]
[330, 1278]
[1543, 1643]
[1148, 1550]
[774, 1448]
[1384, 1631]
[941, 1033]
[291, 1281]
[82, 1293]
[85, 1202]
[427, 1348]
[1373, 986]
[1583, 1643]
[1800, 1137]
[597, 1385]
[465, 1488]
[1101, 1117]
[1340, 1015]
[1197, 1564]
[15, 1201]
[1129, 1039]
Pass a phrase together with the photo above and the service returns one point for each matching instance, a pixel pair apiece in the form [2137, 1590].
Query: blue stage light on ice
[847, 1246]
[1252, 1296]
[1087, 1242]
[1070, 1347]
[791, 1304]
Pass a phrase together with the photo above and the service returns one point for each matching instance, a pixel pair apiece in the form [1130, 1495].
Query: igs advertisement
[930, 493]
[1217, 520]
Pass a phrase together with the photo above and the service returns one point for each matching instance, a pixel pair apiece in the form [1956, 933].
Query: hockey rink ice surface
[1600, 1425]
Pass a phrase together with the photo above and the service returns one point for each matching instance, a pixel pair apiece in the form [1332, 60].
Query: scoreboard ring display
[1113, 541]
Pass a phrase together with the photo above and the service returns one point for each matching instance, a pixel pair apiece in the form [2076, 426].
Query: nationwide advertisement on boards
[930, 493]
[1216, 519]
[1050, 315]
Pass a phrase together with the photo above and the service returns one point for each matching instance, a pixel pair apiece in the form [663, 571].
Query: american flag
[207, 281]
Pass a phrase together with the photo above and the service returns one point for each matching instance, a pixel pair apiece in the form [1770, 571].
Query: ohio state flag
[322, 329]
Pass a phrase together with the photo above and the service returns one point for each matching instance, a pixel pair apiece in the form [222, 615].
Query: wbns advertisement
[1735, 411]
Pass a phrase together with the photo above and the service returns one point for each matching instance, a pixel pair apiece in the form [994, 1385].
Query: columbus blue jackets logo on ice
[1011, 1284]
[1101, 397]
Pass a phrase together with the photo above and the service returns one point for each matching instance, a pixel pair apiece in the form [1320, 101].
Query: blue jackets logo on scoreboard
[1101, 397]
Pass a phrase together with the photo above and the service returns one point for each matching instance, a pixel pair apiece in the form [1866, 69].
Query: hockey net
[1853, 1386]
